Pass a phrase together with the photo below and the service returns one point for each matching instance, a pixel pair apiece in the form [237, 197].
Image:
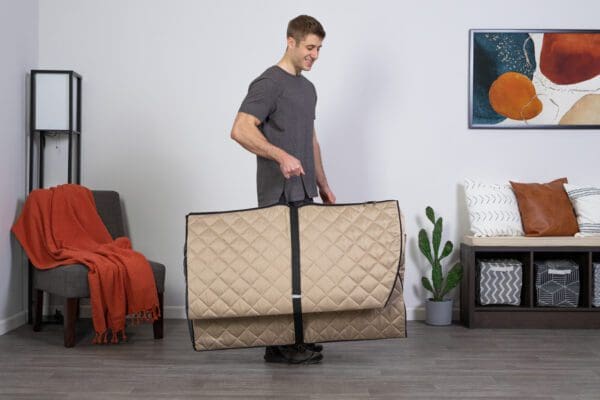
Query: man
[276, 122]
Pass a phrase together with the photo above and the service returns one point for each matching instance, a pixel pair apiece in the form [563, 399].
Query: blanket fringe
[146, 316]
[101, 338]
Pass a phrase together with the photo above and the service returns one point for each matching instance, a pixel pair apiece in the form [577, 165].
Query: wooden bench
[583, 250]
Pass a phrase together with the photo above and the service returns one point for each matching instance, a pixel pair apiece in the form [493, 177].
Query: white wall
[18, 54]
[163, 81]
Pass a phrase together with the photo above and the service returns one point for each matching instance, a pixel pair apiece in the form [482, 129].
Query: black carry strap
[296, 291]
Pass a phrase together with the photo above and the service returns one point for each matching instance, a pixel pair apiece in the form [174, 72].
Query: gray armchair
[71, 281]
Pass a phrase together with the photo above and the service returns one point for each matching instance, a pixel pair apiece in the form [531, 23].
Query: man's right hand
[290, 166]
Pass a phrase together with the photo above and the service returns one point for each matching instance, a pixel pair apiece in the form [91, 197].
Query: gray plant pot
[438, 312]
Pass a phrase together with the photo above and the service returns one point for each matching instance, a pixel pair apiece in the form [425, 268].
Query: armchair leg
[78, 313]
[70, 319]
[39, 308]
[157, 326]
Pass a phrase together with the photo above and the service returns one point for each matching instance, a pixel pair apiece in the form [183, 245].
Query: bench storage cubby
[575, 303]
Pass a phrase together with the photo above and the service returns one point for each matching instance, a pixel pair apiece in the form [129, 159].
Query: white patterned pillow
[586, 202]
[493, 209]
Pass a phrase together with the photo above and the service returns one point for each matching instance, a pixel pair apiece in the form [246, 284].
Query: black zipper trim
[185, 274]
[286, 205]
[402, 244]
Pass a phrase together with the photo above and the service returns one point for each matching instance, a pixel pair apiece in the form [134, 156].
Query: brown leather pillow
[545, 209]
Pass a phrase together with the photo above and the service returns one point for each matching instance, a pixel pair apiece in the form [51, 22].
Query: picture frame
[534, 79]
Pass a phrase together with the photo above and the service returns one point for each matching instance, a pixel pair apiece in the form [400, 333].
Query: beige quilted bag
[282, 275]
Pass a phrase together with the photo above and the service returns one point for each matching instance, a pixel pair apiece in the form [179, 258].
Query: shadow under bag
[281, 275]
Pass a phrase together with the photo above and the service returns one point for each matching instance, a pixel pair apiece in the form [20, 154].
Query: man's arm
[245, 131]
[324, 190]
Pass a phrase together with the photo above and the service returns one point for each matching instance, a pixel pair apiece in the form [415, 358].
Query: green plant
[438, 286]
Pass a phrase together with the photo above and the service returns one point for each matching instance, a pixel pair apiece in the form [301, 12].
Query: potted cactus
[438, 309]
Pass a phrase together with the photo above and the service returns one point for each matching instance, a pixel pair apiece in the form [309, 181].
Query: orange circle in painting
[513, 95]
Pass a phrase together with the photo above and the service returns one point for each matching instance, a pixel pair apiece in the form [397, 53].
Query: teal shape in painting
[495, 53]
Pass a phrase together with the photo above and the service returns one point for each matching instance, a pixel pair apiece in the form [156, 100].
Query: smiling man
[276, 122]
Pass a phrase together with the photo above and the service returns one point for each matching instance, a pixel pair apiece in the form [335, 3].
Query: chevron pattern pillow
[493, 209]
[500, 282]
[586, 202]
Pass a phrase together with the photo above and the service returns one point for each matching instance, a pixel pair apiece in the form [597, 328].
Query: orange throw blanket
[60, 226]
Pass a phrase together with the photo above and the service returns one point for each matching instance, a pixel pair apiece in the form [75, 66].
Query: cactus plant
[438, 286]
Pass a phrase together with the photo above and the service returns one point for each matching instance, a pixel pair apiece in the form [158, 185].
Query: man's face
[305, 53]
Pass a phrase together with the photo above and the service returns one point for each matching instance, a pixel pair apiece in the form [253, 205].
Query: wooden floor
[433, 363]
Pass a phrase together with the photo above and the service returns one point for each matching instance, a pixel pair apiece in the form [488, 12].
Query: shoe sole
[315, 358]
[315, 349]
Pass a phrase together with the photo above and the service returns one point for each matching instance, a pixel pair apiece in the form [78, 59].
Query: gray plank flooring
[432, 363]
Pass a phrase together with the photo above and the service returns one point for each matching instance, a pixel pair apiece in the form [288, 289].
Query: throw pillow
[493, 209]
[545, 209]
[586, 202]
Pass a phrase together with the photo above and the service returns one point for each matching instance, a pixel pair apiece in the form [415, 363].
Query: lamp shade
[55, 100]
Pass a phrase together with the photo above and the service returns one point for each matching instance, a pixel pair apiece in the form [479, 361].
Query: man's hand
[327, 196]
[290, 166]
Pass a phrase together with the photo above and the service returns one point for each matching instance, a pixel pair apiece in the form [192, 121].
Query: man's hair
[304, 25]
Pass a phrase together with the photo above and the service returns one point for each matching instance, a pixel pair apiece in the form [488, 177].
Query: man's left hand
[327, 196]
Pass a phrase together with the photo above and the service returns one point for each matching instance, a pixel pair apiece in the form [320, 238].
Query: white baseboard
[13, 322]
[175, 312]
[418, 314]
[415, 314]
[85, 311]
[178, 312]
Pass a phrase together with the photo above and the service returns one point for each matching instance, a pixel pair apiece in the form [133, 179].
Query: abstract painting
[534, 79]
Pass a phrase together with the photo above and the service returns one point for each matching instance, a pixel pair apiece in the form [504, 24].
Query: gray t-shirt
[285, 105]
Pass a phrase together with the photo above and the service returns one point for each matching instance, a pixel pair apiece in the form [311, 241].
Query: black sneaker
[291, 354]
[316, 347]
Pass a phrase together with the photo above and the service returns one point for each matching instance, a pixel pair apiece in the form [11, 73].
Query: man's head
[304, 37]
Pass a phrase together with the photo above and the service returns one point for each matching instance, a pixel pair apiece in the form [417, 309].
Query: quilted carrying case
[500, 281]
[557, 283]
[282, 275]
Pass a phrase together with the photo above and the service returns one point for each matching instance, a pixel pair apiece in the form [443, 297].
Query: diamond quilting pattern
[239, 276]
[227, 333]
[350, 255]
[389, 322]
[238, 263]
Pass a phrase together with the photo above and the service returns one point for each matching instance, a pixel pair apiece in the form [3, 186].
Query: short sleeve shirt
[285, 105]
